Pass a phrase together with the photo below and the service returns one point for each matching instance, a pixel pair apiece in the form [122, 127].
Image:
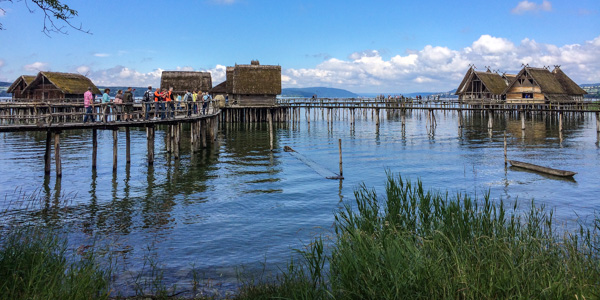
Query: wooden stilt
[505, 152]
[522, 120]
[47, 152]
[270, 119]
[340, 150]
[94, 147]
[560, 121]
[150, 145]
[597, 121]
[115, 147]
[127, 146]
[176, 139]
[490, 119]
[57, 154]
[203, 133]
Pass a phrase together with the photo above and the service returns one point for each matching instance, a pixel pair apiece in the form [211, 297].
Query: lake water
[239, 204]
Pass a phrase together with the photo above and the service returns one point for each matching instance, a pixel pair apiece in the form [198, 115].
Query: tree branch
[53, 10]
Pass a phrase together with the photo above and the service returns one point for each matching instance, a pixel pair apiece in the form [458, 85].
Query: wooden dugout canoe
[555, 172]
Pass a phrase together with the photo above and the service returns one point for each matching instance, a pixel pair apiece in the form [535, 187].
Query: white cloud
[525, 6]
[101, 54]
[125, 76]
[36, 67]
[494, 45]
[1, 63]
[438, 68]
[83, 70]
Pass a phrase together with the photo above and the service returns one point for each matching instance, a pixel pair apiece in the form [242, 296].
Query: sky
[363, 46]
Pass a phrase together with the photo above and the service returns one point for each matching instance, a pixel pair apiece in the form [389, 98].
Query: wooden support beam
[47, 161]
[94, 148]
[150, 143]
[270, 119]
[57, 154]
[127, 145]
[115, 147]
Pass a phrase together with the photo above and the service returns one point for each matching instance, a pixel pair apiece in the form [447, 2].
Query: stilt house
[540, 86]
[19, 85]
[56, 86]
[181, 81]
[482, 87]
[253, 84]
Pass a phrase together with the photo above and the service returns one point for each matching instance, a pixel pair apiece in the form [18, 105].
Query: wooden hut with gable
[540, 86]
[253, 84]
[56, 86]
[482, 87]
[16, 89]
[181, 81]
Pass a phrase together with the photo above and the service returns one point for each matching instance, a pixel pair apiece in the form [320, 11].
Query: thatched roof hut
[19, 85]
[539, 85]
[56, 85]
[181, 81]
[482, 86]
[255, 79]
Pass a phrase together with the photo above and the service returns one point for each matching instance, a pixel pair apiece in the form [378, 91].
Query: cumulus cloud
[438, 68]
[526, 6]
[83, 70]
[36, 67]
[101, 54]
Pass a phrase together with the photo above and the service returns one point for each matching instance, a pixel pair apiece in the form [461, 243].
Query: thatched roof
[256, 80]
[68, 83]
[494, 82]
[27, 79]
[229, 80]
[181, 81]
[552, 84]
[220, 88]
[568, 85]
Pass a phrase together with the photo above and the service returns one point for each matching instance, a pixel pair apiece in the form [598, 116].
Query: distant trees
[57, 16]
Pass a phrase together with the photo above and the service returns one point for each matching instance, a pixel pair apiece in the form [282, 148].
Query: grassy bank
[417, 244]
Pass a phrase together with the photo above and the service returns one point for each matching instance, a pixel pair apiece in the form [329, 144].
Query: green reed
[418, 243]
[35, 264]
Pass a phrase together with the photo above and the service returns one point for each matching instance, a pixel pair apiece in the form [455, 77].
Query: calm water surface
[239, 204]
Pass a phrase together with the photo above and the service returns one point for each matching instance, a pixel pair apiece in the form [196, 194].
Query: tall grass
[418, 244]
[35, 264]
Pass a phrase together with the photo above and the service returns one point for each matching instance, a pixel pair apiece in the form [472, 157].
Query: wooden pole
[57, 154]
[94, 147]
[597, 121]
[340, 149]
[270, 119]
[47, 153]
[505, 152]
[115, 147]
[203, 133]
[176, 139]
[127, 145]
[150, 145]
[522, 120]
[490, 119]
[560, 121]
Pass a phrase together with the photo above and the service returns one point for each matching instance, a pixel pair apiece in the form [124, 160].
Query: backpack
[147, 96]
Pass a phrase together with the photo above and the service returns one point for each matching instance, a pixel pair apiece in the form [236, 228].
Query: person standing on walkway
[106, 105]
[170, 97]
[119, 105]
[195, 99]
[147, 102]
[128, 103]
[88, 103]
[187, 101]
[204, 102]
[158, 104]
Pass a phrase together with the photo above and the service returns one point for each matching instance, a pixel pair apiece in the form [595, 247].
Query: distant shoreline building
[529, 86]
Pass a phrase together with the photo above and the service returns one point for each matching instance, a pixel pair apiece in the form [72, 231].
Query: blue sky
[363, 46]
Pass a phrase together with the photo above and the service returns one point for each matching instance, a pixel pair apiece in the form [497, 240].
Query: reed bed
[418, 244]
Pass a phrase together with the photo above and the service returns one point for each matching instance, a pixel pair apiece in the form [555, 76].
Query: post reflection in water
[236, 202]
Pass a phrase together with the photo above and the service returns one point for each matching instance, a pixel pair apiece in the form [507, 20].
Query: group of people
[119, 108]
[166, 102]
